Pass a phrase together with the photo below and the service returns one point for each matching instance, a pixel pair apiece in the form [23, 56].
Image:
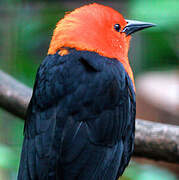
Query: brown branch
[153, 140]
[14, 96]
[157, 141]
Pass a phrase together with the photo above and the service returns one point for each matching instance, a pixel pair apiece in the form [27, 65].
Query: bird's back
[80, 121]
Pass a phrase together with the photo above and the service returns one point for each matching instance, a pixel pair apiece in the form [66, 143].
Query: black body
[80, 121]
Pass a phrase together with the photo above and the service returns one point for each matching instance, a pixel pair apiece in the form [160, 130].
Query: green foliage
[162, 12]
[146, 172]
[158, 47]
[29, 33]
[8, 158]
[11, 135]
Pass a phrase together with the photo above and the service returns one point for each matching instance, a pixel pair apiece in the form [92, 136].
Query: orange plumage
[91, 28]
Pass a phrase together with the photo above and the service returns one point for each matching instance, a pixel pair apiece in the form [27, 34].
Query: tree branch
[14, 96]
[157, 141]
[153, 140]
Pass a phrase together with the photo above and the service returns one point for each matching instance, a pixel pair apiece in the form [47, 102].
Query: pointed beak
[134, 26]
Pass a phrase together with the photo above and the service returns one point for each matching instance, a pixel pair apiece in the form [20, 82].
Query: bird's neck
[128, 69]
[107, 49]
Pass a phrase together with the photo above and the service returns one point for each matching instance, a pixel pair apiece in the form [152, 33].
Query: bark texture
[14, 96]
[157, 141]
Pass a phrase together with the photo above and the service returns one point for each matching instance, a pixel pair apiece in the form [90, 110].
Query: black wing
[80, 121]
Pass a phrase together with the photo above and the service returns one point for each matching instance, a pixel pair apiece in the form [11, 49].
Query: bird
[80, 122]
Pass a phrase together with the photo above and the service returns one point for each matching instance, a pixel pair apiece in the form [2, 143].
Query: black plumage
[80, 121]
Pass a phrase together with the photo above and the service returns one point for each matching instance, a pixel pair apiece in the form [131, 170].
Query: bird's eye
[117, 27]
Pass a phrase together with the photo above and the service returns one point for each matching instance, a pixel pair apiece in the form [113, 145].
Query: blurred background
[26, 28]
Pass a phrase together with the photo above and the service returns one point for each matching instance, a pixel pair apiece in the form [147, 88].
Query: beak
[134, 26]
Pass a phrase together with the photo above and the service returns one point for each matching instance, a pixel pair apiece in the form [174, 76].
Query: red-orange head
[96, 28]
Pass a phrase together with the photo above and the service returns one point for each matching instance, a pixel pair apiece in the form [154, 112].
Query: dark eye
[117, 27]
